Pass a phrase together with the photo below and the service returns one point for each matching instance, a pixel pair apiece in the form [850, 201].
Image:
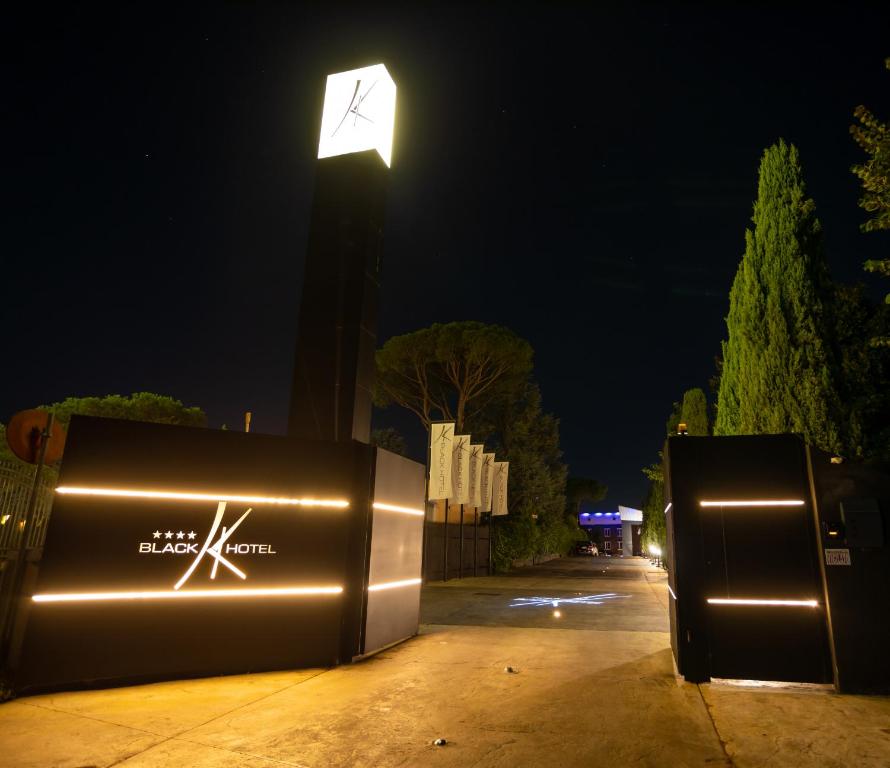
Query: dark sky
[581, 175]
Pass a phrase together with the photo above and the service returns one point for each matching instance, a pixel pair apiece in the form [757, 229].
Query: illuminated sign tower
[337, 336]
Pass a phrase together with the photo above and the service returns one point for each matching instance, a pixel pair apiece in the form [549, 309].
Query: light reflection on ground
[554, 602]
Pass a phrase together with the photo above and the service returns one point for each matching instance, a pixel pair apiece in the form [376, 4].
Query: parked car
[583, 548]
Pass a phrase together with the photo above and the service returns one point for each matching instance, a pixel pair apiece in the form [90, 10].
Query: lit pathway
[593, 686]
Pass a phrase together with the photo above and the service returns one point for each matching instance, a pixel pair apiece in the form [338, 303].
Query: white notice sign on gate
[837, 557]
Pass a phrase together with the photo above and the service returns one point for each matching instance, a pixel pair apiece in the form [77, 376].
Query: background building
[615, 533]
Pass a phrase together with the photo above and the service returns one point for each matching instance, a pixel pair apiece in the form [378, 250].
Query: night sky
[581, 176]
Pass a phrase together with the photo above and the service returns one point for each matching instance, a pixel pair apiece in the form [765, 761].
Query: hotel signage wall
[176, 551]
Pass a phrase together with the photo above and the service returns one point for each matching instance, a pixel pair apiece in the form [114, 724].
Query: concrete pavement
[593, 685]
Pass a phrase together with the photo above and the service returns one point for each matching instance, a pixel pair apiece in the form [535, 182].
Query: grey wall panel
[393, 612]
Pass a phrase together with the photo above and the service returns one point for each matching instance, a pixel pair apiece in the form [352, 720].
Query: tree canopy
[581, 490]
[140, 406]
[873, 137]
[694, 412]
[450, 371]
[778, 374]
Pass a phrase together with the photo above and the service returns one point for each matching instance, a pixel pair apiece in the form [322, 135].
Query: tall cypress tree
[695, 412]
[777, 368]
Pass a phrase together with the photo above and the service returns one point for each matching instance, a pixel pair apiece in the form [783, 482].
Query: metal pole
[475, 538]
[19, 572]
[490, 536]
[445, 548]
[460, 572]
[820, 556]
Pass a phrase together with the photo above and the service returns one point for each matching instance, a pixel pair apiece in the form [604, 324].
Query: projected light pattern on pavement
[554, 602]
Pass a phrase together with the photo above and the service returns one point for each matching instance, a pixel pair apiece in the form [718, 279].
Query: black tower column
[337, 336]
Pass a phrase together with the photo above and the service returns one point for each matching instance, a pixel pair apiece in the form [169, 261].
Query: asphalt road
[585, 593]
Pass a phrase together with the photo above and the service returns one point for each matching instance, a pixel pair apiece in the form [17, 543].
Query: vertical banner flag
[460, 475]
[475, 492]
[501, 471]
[441, 446]
[485, 480]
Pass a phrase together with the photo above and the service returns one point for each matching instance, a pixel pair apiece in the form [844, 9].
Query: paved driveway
[592, 686]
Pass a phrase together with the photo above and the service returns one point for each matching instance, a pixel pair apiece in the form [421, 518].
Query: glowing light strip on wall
[672, 592]
[760, 503]
[734, 601]
[667, 508]
[181, 496]
[396, 508]
[184, 594]
[393, 585]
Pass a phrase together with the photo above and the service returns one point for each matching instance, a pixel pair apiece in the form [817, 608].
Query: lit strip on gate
[741, 601]
[184, 594]
[396, 508]
[754, 503]
[181, 496]
[393, 585]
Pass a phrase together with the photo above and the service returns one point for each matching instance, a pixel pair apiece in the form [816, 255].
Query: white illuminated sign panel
[359, 113]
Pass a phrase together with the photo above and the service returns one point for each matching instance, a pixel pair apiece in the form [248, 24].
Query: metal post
[445, 547]
[820, 556]
[490, 537]
[475, 538]
[460, 570]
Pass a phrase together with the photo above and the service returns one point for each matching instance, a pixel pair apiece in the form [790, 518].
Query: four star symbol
[178, 534]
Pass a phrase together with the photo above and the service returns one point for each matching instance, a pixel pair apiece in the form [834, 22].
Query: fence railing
[16, 483]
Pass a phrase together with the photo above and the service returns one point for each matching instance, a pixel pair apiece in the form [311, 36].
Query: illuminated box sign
[174, 551]
[359, 113]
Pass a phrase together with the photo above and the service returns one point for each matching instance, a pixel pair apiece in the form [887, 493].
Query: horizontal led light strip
[759, 503]
[393, 585]
[184, 594]
[140, 494]
[395, 508]
[734, 601]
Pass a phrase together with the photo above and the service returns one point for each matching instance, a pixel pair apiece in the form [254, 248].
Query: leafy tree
[778, 373]
[390, 439]
[864, 384]
[873, 137]
[140, 406]
[451, 371]
[694, 412]
[691, 411]
[515, 426]
[583, 489]
[653, 529]
[673, 422]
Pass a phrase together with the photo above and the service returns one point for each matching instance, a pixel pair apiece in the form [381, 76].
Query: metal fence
[16, 482]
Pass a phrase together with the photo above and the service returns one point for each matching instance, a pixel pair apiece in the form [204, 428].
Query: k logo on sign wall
[216, 549]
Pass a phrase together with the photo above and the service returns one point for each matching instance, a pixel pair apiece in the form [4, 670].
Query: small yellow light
[182, 496]
[184, 594]
[557, 614]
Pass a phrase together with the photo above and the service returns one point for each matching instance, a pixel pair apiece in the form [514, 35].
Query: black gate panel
[747, 598]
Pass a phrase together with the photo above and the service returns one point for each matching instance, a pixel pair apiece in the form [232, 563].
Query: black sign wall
[177, 552]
